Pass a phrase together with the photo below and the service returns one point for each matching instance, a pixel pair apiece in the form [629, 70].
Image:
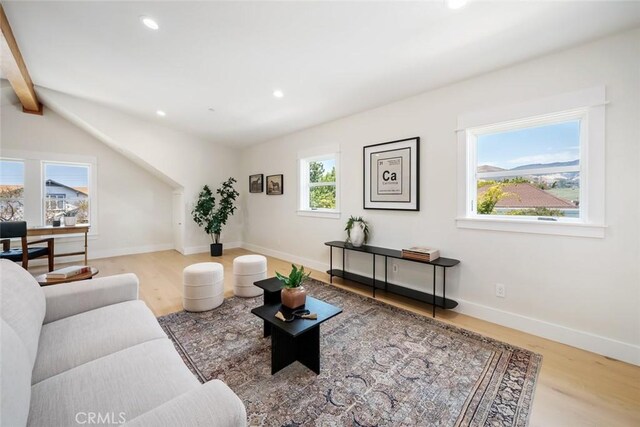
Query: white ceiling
[331, 59]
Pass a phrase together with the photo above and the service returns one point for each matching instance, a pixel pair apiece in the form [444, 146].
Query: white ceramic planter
[357, 234]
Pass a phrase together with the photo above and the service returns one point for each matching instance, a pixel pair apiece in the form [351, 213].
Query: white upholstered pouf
[246, 270]
[203, 286]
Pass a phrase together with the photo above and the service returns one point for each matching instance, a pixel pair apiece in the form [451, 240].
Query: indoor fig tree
[211, 216]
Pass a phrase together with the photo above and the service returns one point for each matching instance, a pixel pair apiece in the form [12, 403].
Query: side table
[272, 287]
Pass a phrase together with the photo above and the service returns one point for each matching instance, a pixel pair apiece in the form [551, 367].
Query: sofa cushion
[121, 385]
[211, 404]
[15, 376]
[74, 340]
[23, 305]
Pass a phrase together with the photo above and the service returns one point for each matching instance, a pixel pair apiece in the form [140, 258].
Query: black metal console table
[387, 253]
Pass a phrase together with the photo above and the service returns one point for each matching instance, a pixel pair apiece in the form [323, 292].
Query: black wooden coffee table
[298, 340]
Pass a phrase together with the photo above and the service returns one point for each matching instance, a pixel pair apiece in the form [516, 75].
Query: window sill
[320, 214]
[534, 227]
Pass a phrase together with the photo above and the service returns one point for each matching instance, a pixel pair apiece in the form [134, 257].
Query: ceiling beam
[14, 68]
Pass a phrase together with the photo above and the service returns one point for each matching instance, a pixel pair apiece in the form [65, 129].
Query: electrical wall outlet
[394, 268]
[500, 290]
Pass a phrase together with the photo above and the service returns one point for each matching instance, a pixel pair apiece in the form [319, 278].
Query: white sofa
[91, 353]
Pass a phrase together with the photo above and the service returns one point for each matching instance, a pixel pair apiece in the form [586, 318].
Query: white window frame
[34, 192]
[314, 155]
[588, 106]
[43, 180]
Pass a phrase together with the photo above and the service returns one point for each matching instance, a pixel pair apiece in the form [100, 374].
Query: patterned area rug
[380, 366]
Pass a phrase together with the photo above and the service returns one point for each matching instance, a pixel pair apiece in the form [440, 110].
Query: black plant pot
[216, 249]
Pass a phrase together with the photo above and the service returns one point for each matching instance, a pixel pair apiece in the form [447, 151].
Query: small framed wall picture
[275, 185]
[256, 183]
[392, 175]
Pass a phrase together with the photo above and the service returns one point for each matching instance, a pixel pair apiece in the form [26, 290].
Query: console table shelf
[429, 298]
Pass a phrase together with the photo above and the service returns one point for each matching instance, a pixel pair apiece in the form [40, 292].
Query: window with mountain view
[66, 191]
[530, 170]
[11, 190]
[318, 178]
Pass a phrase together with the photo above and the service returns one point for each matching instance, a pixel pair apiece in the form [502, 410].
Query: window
[11, 190]
[66, 191]
[319, 184]
[56, 201]
[536, 167]
[530, 171]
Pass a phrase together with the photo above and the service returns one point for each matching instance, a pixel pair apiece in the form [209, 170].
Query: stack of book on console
[421, 254]
[67, 272]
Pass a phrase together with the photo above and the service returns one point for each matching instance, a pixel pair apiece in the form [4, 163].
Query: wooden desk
[50, 230]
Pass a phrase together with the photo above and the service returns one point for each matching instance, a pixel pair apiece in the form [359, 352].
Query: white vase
[357, 234]
[70, 221]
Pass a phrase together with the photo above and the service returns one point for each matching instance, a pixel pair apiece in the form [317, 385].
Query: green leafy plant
[352, 220]
[295, 278]
[205, 213]
[490, 198]
[322, 196]
[539, 211]
[71, 213]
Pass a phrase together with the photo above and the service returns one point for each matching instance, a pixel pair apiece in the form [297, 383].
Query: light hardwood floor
[575, 387]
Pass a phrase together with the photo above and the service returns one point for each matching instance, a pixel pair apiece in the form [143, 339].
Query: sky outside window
[536, 145]
[72, 176]
[11, 172]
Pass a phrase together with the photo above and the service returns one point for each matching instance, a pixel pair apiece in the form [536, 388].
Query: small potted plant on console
[357, 231]
[294, 294]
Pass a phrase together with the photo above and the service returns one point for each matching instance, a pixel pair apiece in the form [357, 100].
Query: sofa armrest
[212, 404]
[68, 299]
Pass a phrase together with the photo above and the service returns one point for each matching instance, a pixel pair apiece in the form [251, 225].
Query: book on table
[67, 272]
[421, 253]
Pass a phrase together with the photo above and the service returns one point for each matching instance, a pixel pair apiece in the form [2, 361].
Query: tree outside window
[11, 190]
[322, 185]
[318, 183]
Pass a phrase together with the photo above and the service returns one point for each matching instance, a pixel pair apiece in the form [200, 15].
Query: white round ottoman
[246, 270]
[203, 286]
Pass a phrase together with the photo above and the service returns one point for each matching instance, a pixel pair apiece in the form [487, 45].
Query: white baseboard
[619, 350]
[287, 257]
[190, 250]
[587, 341]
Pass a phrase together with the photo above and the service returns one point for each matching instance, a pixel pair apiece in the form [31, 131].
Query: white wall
[134, 207]
[581, 291]
[180, 159]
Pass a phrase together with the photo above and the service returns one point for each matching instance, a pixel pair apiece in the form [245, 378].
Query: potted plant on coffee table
[294, 294]
[206, 215]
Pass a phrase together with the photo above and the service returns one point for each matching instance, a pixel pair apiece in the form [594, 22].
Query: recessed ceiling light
[278, 93]
[149, 22]
[456, 4]
[161, 113]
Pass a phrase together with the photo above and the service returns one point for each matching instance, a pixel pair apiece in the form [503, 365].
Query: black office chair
[18, 229]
